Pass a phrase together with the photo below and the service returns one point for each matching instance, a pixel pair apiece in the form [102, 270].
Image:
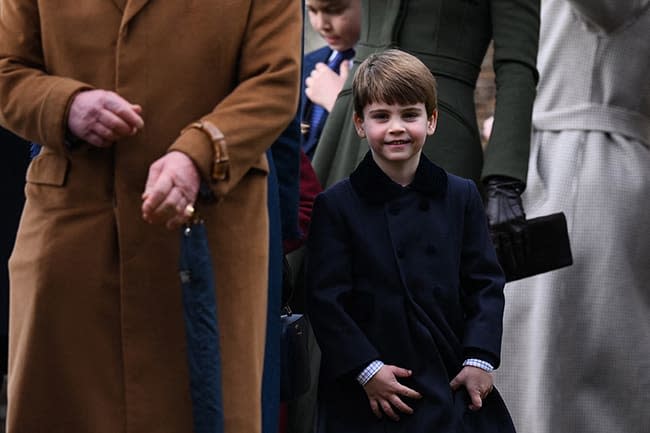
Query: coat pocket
[48, 169]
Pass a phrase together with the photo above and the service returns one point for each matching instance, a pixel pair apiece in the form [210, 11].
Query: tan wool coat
[97, 340]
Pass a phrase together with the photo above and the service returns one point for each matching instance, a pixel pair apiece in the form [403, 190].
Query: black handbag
[295, 376]
[549, 247]
[295, 359]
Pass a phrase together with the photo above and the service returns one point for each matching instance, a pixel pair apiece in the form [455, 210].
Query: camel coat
[96, 330]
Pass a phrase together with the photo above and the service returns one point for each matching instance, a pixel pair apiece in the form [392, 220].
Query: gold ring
[189, 210]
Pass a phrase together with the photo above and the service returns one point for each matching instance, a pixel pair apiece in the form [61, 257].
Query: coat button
[394, 210]
[400, 252]
[431, 249]
[424, 204]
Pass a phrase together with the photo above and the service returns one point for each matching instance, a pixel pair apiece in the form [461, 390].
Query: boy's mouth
[397, 142]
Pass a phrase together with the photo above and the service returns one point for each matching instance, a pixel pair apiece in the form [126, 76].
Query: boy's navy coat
[407, 275]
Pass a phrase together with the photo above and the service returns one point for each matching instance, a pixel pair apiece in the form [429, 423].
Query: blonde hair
[393, 77]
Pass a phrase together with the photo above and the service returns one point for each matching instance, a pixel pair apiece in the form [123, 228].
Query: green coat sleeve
[516, 35]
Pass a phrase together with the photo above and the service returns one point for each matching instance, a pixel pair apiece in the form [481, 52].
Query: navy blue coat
[13, 165]
[407, 275]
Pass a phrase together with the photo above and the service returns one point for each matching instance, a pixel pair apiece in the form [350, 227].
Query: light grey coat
[576, 345]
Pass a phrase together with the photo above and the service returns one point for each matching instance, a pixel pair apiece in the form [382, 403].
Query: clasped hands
[385, 392]
[100, 118]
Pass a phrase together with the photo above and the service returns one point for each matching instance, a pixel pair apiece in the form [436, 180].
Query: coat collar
[131, 8]
[374, 186]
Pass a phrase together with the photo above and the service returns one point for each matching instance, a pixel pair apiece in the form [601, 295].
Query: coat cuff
[205, 144]
[54, 121]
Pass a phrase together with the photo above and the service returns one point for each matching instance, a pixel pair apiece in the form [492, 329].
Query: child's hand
[384, 392]
[478, 383]
[323, 85]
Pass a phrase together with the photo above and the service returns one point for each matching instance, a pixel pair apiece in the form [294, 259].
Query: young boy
[405, 292]
[325, 70]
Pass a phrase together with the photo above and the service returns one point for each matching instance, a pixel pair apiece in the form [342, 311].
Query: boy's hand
[478, 383]
[323, 85]
[384, 392]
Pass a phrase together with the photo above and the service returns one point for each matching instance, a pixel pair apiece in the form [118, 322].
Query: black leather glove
[507, 222]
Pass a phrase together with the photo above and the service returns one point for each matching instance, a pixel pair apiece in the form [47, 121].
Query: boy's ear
[432, 122]
[358, 125]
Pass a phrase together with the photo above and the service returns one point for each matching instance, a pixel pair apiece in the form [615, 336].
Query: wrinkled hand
[384, 392]
[101, 117]
[477, 382]
[172, 184]
[507, 222]
[323, 84]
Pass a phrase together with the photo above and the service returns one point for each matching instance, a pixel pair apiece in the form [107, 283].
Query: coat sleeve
[608, 15]
[345, 348]
[33, 103]
[263, 101]
[482, 282]
[515, 28]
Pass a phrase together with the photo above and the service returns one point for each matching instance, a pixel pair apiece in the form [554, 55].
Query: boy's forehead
[393, 106]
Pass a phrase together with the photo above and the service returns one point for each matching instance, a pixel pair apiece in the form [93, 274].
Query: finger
[103, 132]
[95, 140]
[176, 222]
[156, 195]
[475, 396]
[408, 392]
[344, 69]
[152, 178]
[116, 124]
[401, 372]
[455, 383]
[172, 205]
[186, 185]
[388, 410]
[374, 406]
[123, 109]
[400, 405]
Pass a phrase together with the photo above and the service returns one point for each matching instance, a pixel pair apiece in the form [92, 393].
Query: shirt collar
[374, 186]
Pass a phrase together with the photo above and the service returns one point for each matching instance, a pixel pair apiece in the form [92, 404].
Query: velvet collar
[374, 186]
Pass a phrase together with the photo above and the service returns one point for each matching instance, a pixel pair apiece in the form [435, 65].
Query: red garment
[309, 189]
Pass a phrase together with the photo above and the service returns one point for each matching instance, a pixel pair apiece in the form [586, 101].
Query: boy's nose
[396, 126]
[323, 21]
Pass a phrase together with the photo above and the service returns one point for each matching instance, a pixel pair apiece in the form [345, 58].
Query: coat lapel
[131, 9]
[120, 4]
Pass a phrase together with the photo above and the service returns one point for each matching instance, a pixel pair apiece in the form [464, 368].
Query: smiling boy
[405, 292]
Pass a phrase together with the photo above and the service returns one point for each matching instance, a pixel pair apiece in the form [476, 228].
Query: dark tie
[318, 113]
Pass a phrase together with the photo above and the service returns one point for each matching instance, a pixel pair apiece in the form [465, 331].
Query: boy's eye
[379, 116]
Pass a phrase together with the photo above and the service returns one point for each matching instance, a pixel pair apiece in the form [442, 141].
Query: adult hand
[478, 382]
[384, 392]
[101, 117]
[507, 222]
[172, 185]
[323, 84]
